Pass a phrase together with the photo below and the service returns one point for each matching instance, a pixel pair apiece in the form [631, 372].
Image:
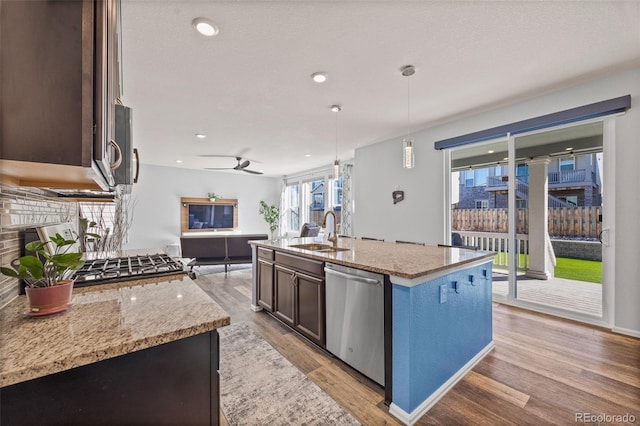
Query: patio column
[541, 257]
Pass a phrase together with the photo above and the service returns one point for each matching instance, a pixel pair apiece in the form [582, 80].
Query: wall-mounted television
[205, 215]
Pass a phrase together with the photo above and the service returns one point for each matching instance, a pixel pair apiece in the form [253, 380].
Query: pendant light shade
[407, 153]
[336, 163]
[407, 143]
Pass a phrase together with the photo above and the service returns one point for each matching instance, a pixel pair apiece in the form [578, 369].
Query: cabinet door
[106, 151]
[46, 81]
[284, 289]
[309, 306]
[265, 285]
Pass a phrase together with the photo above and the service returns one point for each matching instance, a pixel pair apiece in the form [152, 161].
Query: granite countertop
[105, 321]
[397, 259]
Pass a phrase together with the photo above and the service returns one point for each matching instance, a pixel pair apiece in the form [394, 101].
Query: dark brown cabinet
[265, 278]
[59, 82]
[309, 304]
[126, 390]
[285, 294]
[299, 298]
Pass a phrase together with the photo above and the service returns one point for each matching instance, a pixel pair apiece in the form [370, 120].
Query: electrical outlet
[443, 293]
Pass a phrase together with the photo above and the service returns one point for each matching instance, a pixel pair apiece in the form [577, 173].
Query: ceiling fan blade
[251, 171]
[244, 164]
[219, 168]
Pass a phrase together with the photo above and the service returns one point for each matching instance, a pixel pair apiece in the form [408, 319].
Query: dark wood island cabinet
[291, 288]
[265, 270]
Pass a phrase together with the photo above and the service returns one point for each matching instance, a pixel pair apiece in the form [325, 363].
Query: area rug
[260, 387]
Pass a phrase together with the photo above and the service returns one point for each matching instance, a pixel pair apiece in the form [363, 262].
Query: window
[482, 204]
[476, 177]
[291, 213]
[481, 176]
[468, 178]
[568, 163]
[522, 172]
[307, 197]
[521, 204]
[313, 198]
[572, 200]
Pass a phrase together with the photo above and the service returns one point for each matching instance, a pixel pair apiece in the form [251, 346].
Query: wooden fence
[567, 222]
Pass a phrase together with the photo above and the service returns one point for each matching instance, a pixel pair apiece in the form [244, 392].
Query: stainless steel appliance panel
[355, 318]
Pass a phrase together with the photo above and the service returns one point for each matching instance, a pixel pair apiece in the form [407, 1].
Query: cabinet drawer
[265, 254]
[309, 266]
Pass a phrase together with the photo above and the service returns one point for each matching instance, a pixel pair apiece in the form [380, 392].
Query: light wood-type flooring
[543, 370]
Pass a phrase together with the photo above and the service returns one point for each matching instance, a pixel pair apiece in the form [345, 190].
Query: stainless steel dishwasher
[355, 318]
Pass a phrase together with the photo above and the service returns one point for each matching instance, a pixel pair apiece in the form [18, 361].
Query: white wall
[156, 216]
[420, 217]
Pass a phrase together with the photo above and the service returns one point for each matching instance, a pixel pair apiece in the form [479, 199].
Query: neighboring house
[572, 181]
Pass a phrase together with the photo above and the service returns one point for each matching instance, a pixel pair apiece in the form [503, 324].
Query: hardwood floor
[543, 370]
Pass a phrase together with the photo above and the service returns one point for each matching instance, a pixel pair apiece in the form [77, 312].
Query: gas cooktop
[101, 271]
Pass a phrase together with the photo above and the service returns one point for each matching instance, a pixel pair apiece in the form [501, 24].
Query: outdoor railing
[498, 242]
[567, 176]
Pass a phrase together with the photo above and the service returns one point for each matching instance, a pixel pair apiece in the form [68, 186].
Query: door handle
[603, 237]
[116, 162]
[137, 160]
[352, 277]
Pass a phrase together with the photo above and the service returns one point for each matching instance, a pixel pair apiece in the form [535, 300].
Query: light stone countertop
[401, 260]
[105, 321]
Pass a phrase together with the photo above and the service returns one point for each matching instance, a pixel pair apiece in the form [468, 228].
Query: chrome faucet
[332, 237]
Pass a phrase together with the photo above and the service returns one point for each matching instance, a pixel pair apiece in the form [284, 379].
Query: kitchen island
[437, 307]
[139, 351]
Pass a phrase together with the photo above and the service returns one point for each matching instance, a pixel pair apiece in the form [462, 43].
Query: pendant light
[336, 163]
[407, 143]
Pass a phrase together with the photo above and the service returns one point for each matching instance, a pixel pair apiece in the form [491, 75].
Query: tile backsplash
[22, 208]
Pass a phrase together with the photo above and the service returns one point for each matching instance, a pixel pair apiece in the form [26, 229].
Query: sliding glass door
[537, 201]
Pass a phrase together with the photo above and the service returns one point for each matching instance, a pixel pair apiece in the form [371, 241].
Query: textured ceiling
[249, 88]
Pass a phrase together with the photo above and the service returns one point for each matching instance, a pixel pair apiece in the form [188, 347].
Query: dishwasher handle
[353, 277]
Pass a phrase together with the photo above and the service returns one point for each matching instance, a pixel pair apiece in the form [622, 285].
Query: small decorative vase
[50, 300]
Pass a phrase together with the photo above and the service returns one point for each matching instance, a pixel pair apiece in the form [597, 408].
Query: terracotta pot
[49, 300]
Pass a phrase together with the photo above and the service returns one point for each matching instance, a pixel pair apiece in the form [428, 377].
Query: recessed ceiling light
[336, 108]
[319, 77]
[568, 149]
[490, 151]
[200, 135]
[178, 161]
[307, 155]
[205, 27]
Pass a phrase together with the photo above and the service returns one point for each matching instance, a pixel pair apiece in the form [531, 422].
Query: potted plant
[47, 275]
[213, 196]
[271, 215]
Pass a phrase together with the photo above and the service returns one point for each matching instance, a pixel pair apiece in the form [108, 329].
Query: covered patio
[561, 293]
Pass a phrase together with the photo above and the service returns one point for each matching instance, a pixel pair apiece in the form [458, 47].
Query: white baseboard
[627, 331]
[414, 416]
[255, 308]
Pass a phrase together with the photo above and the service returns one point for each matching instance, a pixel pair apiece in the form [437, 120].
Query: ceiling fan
[242, 165]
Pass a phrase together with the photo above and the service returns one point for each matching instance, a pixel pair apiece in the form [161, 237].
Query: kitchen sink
[325, 248]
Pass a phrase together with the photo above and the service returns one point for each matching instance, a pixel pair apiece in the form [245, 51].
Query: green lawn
[574, 269]
[577, 269]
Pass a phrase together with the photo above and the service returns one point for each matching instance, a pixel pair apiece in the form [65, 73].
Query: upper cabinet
[59, 83]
